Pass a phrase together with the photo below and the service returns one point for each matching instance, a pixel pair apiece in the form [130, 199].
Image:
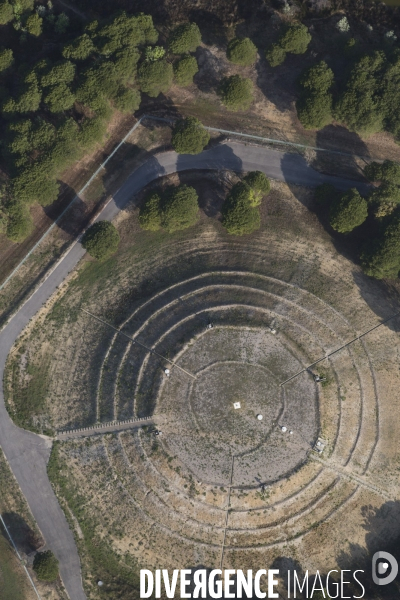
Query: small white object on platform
[260, 417]
[284, 429]
[236, 405]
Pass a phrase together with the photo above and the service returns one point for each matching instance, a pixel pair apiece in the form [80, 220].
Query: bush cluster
[175, 209]
[185, 69]
[184, 38]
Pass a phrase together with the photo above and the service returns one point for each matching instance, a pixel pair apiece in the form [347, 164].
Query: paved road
[28, 453]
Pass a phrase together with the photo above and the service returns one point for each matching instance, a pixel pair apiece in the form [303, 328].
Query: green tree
[259, 184]
[275, 55]
[6, 12]
[180, 208]
[384, 199]
[79, 49]
[294, 40]
[236, 93]
[125, 62]
[20, 222]
[62, 72]
[127, 99]
[349, 211]
[59, 98]
[189, 136]
[36, 183]
[92, 132]
[125, 30]
[101, 240]
[155, 77]
[242, 51]
[314, 107]
[28, 99]
[61, 24]
[34, 25]
[359, 104]
[388, 171]
[239, 214]
[381, 258]
[45, 566]
[184, 38]
[150, 212]
[6, 59]
[185, 69]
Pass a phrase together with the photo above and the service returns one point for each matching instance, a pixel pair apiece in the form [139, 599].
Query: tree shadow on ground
[22, 535]
[339, 138]
[382, 527]
[211, 188]
[212, 28]
[161, 106]
[274, 83]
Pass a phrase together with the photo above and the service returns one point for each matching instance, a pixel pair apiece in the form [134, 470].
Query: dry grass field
[219, 486]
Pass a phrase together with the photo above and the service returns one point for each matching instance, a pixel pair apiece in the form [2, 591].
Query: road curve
[28, 453]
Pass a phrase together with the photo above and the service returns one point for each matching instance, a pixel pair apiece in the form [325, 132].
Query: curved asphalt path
[28, 453]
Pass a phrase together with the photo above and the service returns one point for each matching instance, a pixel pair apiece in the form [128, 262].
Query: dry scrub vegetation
[136, 500]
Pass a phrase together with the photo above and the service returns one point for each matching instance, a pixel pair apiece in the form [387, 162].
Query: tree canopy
[45, 566]
[34, 24]
[150, 212]
[184, 38]
[381, 258]
[6, 59]
[101, 240]
[348, 211]
[155, 77]
[240, 215]
[294, 39]
[189, 136]
[236, 93]
[314, 106]
[259, 184]
[6, 12]
[388, 171]
[180, 208]
[185, 69]
[242, 51]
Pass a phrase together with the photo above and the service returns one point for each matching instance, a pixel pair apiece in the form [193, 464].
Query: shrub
[155, 77]
[242, 51]
[125, 30]
[20, 223]
[127, 99]
[388, 171]
[185, 69]
[189, 136]
[6, 13]
[101, 240]
[275, 55]
[314, 111]
[150, 213]
[184, 38]
[79, 49]
[6, 59]
[61, 24]
[45, 566]
[180, 208]
[239, 215]
[125, 63]
[382, 258]
[236, 93]
[349, 211]
[59, 98]
[343, 25]
[92, 132]
[34, 25]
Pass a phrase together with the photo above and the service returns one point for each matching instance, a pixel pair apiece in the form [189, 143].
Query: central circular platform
[219, 386]
[237, 364]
